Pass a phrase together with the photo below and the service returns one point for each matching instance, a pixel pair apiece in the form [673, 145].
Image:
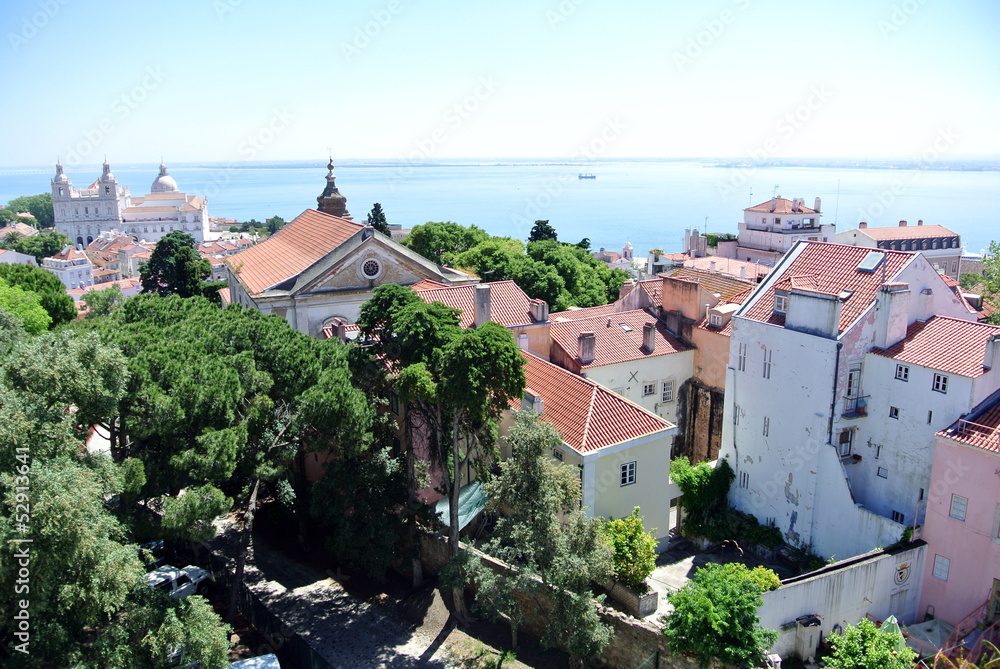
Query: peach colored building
[962, 529]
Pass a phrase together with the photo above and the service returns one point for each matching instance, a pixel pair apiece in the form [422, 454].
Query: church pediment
[373, 263]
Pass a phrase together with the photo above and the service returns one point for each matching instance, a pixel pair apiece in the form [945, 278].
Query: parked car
[179, 583]
[259, 662]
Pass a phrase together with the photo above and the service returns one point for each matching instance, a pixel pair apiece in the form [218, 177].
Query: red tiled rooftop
[981, 429]
[834, 268]
[295, 247]
[892, 233]
[588, 416]
[509, 306]
[718, 284]
[944, 344]
[781, 206]
[587, 312]
[426, 284]
[612, 342]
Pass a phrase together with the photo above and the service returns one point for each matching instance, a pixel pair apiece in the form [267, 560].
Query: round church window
[370, 268]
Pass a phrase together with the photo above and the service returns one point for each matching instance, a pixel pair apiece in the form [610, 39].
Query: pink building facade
[962, 528]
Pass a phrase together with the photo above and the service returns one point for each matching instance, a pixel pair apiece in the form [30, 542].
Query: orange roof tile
[285, 254]
[832, 269]
[781, 206]
[225, 296]
[890, 233]
[588, 416]
[654, 289]
[981, 428]
[426, 284]
[718, 284]
[729, 267]
[509, 306]
[587, 312]
[612, 342]
[945, 344]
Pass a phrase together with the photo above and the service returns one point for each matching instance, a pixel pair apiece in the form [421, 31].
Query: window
[648, 389]
[780, 303]
[715, 320]
[954, 267]
[628, 473]
[920, 497]
[668, 391]
[878, 451]
[394, 403]
[767, 363]
[845, 442]
[894, 412]
[898, 517]
[557, 454]
[959, 505]
[941, 383]
[883, 473]
[854, 380]
[736, 414]
[744, 480]
[767, 425]
[86, 211]
[741, 361]
[941, 566]
[930, 414]
[370, 268]
[902, 373]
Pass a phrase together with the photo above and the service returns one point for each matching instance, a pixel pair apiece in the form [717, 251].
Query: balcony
[855, 407]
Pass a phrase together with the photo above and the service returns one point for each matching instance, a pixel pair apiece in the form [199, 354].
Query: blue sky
[231, 80]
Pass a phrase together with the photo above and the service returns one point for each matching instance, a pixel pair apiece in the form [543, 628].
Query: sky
[240, 80]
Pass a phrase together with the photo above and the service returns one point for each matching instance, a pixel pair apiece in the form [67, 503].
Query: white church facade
[83, 213]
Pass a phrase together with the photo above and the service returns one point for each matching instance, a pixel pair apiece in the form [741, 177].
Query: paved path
[346, 631]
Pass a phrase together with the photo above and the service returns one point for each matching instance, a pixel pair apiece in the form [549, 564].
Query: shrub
[704, 491]
[864, 645]
[634, 549]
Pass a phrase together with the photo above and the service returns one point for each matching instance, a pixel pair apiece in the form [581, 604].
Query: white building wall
[655, 371]
[881, 585]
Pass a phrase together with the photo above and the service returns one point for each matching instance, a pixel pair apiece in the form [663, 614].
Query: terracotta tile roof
[833, 268]
[70, 253]
[729, 267]
[509, 306]
[587, 312]
[426, 284]
[718, 284]
[612, 342]
[980, 429]
[588, 416]
[654, 289]
[908, 232]
[285, 254]
[727, 329]
[945, 344]
[781, 206]
[226, 298]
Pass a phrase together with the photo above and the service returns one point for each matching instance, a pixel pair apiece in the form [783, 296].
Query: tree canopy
[50, 290]
[39, 206]
[175, 267]
[715, 615]
[865, 646]
[556, 551]
[434, 240]
[26, 306]
[43, 245]
[542, 231]
[376, 219]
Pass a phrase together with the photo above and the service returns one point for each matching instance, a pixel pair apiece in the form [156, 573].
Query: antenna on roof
[750, 199]
[775, 194]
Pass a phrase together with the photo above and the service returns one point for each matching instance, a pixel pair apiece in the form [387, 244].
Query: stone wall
[634, 641]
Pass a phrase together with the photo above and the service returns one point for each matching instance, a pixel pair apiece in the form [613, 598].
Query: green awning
[471, 500]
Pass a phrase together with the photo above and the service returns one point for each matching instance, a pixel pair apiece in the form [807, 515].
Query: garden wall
[634, 641]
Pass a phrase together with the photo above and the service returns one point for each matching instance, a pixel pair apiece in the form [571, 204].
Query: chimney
[920, 221]
[711, 267]
[902, 224]
[926, 310]
[797, 204]
[990, 354]
[774, 203]
[862, 225]
[532, 401]
[482, 303]
[743, 272]
[892, 312]
[687, 240]
[626, 288]
[649, 337]
[539, 310]
[586, 343]
[816, 205]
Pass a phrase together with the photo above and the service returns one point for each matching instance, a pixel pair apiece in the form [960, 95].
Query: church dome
[60, 177]
[164, 183]
[107, 175]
